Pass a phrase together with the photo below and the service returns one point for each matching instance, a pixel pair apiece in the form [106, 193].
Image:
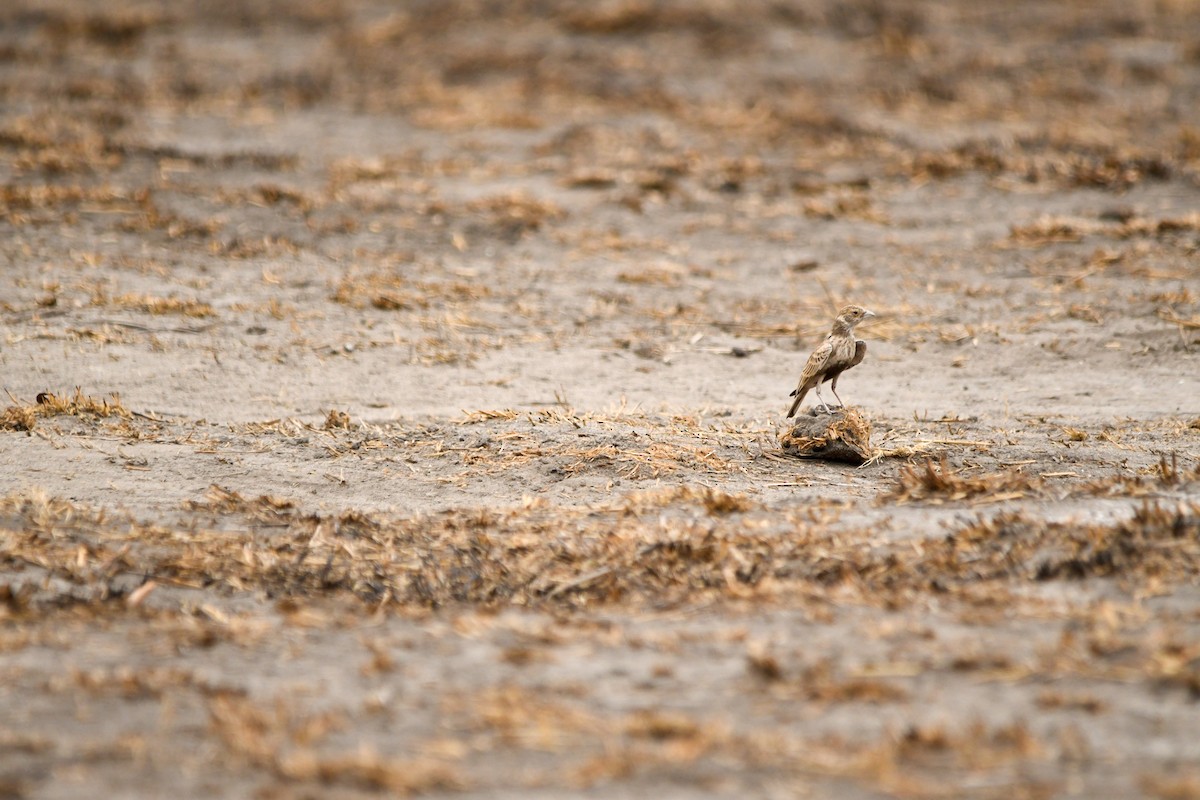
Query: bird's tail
[799, 395]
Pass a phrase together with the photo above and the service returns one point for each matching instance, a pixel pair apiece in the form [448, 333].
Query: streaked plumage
[839, 352]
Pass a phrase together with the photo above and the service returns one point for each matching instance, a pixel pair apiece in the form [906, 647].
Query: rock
[842, 434]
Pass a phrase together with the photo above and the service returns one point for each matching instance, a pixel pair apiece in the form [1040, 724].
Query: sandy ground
[411, 378]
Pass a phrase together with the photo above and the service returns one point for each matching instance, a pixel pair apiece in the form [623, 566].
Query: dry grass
[820, 681]
[1170, 473]
[367, 770]
[18, 418]
[81, 405]
[1048, 230]
[937, 482]
[511, 215]
[470, 557]
[337, 420]
[668, 275]
[156, 305]
[1158, 542]
[486, 415]
[633, 555]
[393, 291]
[1060, 163]
[1165, 475]
[651, 461]
[278, 739]
[24, 417]
[847, 206]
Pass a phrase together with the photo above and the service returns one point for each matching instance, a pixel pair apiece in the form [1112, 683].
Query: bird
[839, 352]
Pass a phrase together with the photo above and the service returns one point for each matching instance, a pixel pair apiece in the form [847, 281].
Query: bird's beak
[868, 314]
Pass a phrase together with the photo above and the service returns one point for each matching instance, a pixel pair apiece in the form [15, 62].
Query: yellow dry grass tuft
[391, 291]
[487, 415]
[337, 420]
[157, 305]
[18, 418]
[24, 417]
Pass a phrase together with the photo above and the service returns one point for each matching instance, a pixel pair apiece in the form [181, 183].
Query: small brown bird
[839, 352]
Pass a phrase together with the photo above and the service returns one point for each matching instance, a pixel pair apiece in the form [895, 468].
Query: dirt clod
[842, 435]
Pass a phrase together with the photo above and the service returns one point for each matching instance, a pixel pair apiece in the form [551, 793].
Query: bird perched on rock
[839, 352]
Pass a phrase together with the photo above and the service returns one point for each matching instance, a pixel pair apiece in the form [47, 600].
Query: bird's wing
[816, 365]
[860, 352]
[817, 362]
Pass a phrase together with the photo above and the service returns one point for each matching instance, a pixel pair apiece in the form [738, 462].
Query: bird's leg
[833, 388]
[824, 405]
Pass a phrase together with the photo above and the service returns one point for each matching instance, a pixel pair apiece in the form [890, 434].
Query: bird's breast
[843, 349]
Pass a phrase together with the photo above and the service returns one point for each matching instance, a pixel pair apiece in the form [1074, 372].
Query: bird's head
[852, 315]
